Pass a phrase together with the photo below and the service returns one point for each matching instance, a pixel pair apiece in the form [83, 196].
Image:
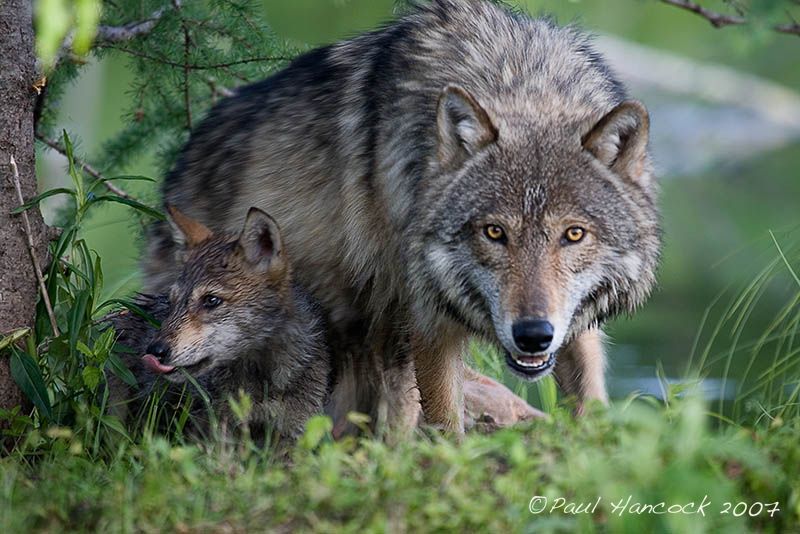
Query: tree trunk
[18, 285]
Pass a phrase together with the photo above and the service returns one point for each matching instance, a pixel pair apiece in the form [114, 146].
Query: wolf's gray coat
[387, 156]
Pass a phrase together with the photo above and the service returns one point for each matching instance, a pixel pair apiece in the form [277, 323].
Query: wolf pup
[463, 171]
[234, 320]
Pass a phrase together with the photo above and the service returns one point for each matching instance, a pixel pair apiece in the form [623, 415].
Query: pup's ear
[463, 127]
[260, 242]
[619, 141]
[186, 232]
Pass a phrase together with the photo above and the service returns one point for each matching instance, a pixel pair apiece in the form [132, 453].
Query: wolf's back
[336, 146]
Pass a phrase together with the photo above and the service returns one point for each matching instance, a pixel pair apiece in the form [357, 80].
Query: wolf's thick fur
[461, 171]
[265, 336]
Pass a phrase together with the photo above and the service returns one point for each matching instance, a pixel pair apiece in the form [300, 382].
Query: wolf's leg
[440, 378]
[580, 368]
[399, 403]
[387, 394]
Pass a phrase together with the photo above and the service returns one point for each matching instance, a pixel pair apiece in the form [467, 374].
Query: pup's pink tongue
[156, 366]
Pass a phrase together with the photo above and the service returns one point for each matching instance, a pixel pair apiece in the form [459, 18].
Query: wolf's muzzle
[532, 335]
[159, 349]
[157, 352]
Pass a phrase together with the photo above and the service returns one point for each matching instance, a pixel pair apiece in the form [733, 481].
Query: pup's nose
[159, 349]
[532, 335]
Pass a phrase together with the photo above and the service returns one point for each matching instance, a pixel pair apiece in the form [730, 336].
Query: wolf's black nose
[159, 349]
[532, 335]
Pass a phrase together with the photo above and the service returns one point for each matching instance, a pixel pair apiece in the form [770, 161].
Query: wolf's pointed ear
[187, 232]
[260, 241]
[463, 127]
[619, 141]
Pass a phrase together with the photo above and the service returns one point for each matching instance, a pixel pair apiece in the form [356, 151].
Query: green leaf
[116, 425]
[87, 14]
[91, 377]
[74, 269]
[127, 177]
[64, 241]
[38, 198]
[76, 318]
[548, 393]
[119, 368]
[133, 204]
[317, 428]
[77, 180]
[13, 337]
[200, 389]
[97, 287]
[104, 343]
[135, 308]
[29, 379]
[53, 21]
[54, 273]
[86, 265]
[83, 348]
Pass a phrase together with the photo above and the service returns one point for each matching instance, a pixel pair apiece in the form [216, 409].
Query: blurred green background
[729, 172]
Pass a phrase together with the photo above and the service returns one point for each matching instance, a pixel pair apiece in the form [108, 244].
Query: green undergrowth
[637, 449]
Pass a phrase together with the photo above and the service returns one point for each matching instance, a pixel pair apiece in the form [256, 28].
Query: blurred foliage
[194, 53]
[60, 20]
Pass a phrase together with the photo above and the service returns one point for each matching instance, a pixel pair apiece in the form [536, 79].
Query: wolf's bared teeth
[532, 362]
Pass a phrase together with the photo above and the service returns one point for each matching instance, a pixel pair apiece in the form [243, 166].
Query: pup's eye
[574, 234]
[495, 232]
[211, 301]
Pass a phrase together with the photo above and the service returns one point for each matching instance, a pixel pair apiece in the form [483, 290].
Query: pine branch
[187, 42]
[114, 34]
[117, 34]
[720, 20]
[91, 171]
[197, 66]
[32, 249]
[190, 59]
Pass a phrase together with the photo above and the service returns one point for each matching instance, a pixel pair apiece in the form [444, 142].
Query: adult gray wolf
[233, 320]
[463, 171]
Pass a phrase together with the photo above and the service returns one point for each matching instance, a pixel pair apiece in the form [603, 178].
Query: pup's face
[533, 240]
[226, 302]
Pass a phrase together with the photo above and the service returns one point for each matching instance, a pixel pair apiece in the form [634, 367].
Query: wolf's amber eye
[495, 232]
[574, 234]
[211, 301]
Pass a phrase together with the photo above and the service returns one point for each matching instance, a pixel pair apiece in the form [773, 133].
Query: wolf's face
[533, 239]
[227, 300]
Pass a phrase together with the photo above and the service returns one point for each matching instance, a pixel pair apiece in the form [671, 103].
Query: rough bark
[18, 75]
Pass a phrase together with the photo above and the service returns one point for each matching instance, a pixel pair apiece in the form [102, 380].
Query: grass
[429, 483]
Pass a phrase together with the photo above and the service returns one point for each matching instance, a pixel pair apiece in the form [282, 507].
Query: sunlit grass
[768, 384]
[428, 483]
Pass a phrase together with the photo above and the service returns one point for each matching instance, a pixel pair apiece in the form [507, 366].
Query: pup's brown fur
[234, 320]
